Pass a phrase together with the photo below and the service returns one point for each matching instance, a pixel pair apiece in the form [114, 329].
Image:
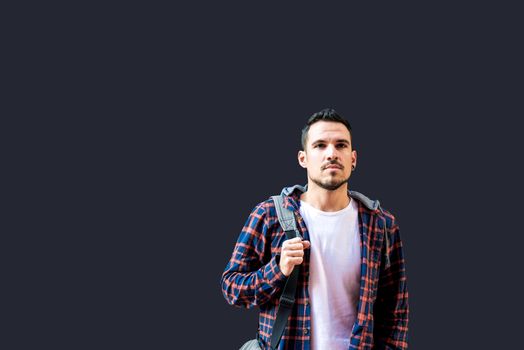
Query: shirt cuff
[273, 273]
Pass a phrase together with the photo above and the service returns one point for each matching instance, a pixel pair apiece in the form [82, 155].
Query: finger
[293, 253]
[292, 241]
[296, 246]
[306, 244]
[296, 261]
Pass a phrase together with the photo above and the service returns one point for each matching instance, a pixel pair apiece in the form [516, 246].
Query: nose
[331, 152]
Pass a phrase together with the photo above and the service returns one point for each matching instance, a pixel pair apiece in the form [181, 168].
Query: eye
[320, 145]
[342, 145]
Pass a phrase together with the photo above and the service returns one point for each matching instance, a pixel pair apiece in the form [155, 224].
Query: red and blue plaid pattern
[253, 278]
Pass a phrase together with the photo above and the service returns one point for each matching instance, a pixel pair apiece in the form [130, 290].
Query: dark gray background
[155, 130]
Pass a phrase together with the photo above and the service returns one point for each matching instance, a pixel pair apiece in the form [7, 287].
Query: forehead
[324, 130]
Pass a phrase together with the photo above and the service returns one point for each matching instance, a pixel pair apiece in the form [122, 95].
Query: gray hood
[368, 203]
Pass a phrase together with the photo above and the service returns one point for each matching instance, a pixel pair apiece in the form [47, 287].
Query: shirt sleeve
[247, 281]
[391, 309]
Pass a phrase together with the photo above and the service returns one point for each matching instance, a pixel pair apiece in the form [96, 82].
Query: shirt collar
[292, 194]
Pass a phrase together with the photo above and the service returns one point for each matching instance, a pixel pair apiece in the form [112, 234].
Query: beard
[330, 184]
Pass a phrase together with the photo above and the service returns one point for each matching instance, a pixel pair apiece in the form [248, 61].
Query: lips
[333, 166]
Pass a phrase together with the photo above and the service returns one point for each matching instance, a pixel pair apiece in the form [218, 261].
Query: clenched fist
[292, 254]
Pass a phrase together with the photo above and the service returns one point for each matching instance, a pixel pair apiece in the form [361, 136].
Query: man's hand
[292, 254]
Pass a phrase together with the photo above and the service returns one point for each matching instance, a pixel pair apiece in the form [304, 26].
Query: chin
[332, 185]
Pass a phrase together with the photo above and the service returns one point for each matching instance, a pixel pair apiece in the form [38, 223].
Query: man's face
[329, 155]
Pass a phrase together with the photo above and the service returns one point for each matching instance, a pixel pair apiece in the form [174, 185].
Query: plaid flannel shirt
[252, 277]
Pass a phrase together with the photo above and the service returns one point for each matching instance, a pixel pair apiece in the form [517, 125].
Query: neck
[326, 200]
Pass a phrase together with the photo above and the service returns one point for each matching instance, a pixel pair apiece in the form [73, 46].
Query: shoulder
[375, 208]
[265, 211]
[390, 219]
[265, 206]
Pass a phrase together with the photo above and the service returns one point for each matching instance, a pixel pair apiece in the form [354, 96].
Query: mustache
[333, 162]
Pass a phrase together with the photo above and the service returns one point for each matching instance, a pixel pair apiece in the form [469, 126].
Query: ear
[302, 159]
[354, 158]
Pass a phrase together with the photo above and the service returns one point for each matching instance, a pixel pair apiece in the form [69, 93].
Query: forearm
[250, 288]
[252, 276]
[391, 317]
[391, 309]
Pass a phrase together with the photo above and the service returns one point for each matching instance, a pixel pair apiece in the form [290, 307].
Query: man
[351, 291]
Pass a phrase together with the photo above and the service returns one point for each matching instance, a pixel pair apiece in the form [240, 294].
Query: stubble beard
[330, 184]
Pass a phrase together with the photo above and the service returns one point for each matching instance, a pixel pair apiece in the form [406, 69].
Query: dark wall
[168, 125]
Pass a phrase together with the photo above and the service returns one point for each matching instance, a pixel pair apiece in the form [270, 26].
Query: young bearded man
[351, 291]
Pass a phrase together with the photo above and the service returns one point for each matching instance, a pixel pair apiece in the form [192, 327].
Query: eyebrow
[337, 141]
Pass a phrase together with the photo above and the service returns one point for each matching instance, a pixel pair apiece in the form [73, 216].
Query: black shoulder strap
[286, 219]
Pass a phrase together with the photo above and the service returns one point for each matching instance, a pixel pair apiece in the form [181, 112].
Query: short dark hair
[328, 115]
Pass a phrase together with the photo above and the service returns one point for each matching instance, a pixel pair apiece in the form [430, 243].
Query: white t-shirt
[334, 274]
